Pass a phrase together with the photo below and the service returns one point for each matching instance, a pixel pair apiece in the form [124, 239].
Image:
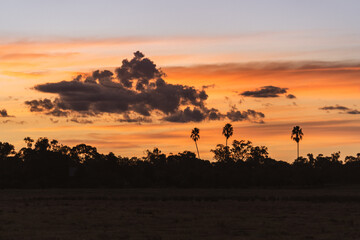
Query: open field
[155, 214]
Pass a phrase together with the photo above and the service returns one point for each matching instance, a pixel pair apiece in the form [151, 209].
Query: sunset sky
[263, 65]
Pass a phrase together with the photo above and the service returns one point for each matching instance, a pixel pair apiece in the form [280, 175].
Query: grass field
[155, 214]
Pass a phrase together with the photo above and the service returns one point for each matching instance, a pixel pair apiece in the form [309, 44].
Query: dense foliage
[48, 164]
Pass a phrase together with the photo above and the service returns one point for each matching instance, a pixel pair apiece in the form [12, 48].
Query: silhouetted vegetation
[228, 132]
[195, 135]
[48, 164]
[296, 135]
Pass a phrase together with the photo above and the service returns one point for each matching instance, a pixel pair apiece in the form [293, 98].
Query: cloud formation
[129, 119]
[47, 106]
[353, 112]
[267, 92]
[282, 66]
[15, 122]
[3, 113]
[340, 108]
[81, 121]
[135, 89]
[290, 96]
[250, 115]
[336, 107]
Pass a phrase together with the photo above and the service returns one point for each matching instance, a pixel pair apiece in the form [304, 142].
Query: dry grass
[156, 214]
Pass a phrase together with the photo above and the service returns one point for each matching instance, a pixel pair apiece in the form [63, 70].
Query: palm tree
[195, 136]
[297, 135]
[228, 131]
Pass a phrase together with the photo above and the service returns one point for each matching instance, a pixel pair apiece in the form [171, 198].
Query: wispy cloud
[340, 108]
[265, 92]
[336, 107]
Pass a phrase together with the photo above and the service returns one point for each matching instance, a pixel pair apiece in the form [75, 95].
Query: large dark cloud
[138, 69]
[135, 89]
[267, 92]
[340, 108]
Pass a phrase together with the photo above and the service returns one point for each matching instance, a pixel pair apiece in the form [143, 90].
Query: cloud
[81, 121]
[47, 106]
[353, 112]
[129, 119]
[343, 109]
[290, 96]
[208, 86]
[54, 121]
[267, 105]
[40, 105]
[135, 89]
[267, 66]
[15, 122]
[214, 114]
[336, 107]
[187, 115]
[250, 115]
[267, 92]
[4, 114]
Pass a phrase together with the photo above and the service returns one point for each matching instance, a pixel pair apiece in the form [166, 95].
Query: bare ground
[158, 214]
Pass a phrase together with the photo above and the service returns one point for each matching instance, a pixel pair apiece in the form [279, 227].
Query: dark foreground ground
[155, 214]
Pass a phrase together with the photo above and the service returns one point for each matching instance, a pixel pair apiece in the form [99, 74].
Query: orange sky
[314, 83]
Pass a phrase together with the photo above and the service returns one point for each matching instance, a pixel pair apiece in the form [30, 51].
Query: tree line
[49, 164]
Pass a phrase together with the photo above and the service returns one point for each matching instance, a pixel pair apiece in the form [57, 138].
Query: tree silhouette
[6, 149]
[296, 135]
[28, 142]
[46, 163]
[228, 131]
[195, 136]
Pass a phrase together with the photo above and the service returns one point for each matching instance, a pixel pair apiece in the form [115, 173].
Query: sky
[263, 65]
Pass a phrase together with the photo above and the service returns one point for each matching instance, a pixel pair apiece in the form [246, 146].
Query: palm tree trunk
[197, 149]
[227, 152]
[297, 150]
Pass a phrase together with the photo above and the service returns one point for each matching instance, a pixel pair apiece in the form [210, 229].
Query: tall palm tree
[297, 135]
[228, 131]
[195, 136]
